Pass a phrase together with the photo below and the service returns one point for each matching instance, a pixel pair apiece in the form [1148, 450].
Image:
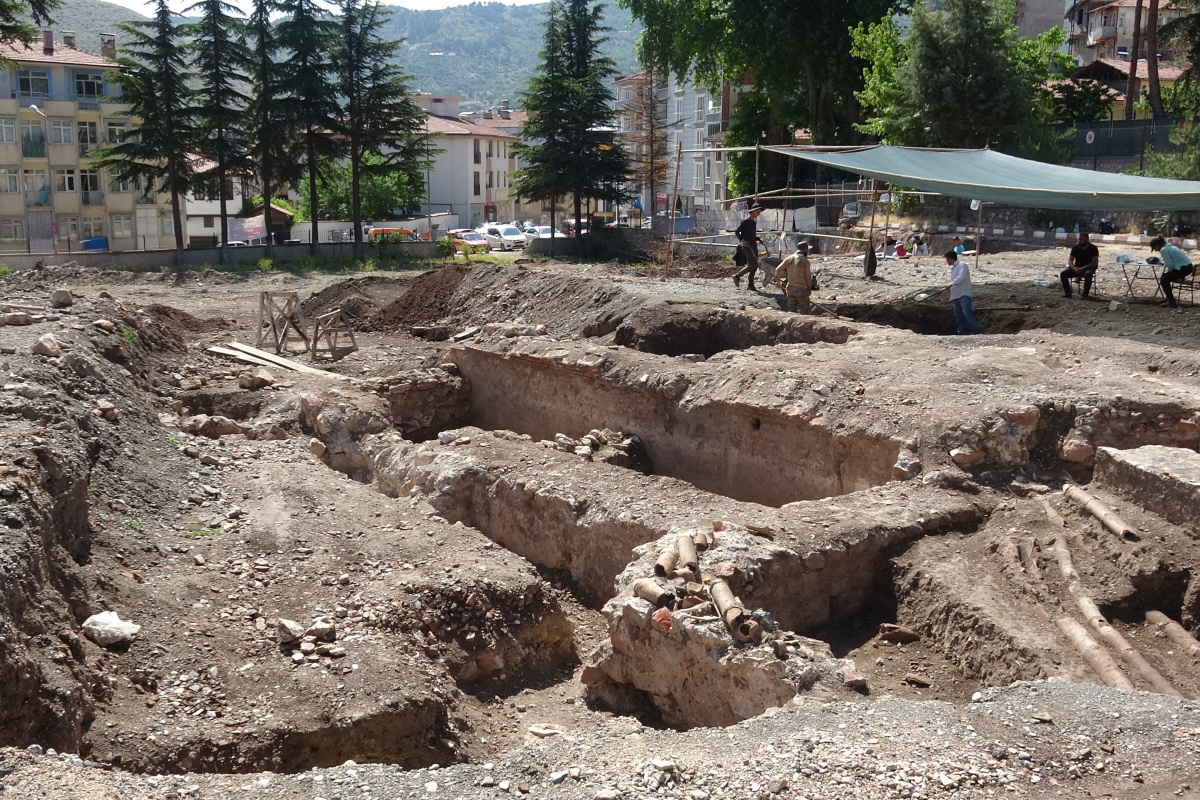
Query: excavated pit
[770, 456]
[668, 330]
[938, 320]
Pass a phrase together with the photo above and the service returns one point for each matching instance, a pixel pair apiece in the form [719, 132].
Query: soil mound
[359, 298]
[183, 322]
[430, 299]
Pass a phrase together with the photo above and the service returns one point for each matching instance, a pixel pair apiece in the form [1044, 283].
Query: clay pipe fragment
[1108, 518]
[703, 541]
[728, 606]
[665, 566]
[1175, 632]
[748, 631]
[648, 589]
[688, 559]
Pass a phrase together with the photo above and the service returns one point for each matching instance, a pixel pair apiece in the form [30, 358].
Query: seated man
[798, 272]
[1084, 259]
[1177, 267]
[920, 248]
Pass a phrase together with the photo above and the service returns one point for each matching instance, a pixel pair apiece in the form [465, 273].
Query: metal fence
[1122, 138]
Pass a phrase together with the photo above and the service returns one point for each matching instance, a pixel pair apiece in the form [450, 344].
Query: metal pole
[870, 231]
[757, 152]
[887, 222]
[671, 208]
[978, 235]
[783, 222]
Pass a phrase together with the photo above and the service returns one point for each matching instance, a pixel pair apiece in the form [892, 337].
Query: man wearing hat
[798, 272]
[747, 236]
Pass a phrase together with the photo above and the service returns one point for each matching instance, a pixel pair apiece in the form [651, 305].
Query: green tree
[963, 77]
[155, 82]
[219, 58]
[748, 123]
[572, 114]
[15, 18]
[380, 123]
[308, 35]
[265, 115]
[1184, 161]
[381, 194]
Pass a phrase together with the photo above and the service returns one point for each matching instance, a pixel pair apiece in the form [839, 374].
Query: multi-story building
[1104, 29]
[472, 175]
[54, 111]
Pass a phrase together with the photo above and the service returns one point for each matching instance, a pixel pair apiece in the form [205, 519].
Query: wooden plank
[240, 356]
[284, 362]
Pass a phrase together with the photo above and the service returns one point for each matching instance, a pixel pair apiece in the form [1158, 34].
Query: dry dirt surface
[434, 566]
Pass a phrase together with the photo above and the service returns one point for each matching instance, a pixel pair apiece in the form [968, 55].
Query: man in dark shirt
[1083, 262]
[747, 236]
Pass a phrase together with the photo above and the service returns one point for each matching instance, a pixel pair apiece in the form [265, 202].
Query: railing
[1100, 33]
[87, 102]
[26, 99]
[145, 199]
[91, 197]
[37, 197]
[87, 147]
[33, 149]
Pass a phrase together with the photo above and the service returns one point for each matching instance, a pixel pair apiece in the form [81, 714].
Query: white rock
[257, 378]
[289, 630]
[47, 345]
[107, 629]
[61, 298]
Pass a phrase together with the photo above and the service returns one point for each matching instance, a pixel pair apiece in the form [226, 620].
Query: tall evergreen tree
[15, 16]
[571, 114]
[265, 114]
[155, 82]
[380, 123]
[219, 57]
[307, 35]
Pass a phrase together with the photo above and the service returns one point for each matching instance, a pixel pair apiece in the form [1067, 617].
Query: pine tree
[380, 123]
[308, 35]
[571, 114]
[15, 16]
[155, 82]
[219, 58]
[264, 112]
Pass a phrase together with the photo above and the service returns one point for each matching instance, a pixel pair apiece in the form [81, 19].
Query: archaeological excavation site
[588, 530]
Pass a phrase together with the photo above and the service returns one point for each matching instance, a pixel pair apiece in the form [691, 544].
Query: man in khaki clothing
[798, 272]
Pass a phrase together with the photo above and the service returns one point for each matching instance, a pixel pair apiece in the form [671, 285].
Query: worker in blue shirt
[1177, 267]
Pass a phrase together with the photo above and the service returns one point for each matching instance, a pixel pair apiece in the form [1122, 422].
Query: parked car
[468, 241]
[506, 237]
[232, 244]
[569, 227]
[392, 235]
[546, 232]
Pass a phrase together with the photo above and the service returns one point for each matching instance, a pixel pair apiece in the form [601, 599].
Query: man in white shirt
[960, 294]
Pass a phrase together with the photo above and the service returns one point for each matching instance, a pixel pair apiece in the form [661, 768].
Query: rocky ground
[406, 575]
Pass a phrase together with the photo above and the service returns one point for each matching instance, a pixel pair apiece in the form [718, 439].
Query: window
[699, 138]
[33, 82]
[8, 130]
[489, 179]
[35, 180]
[12, 228]
[89, 84]
[117, 131]
[89, 180]
[489, 148]
[64, 180]
[122, 225]
[9, 180]
[167, 223]
[60, 131]
[678, 109]
[119, 185]
[92, 226]
[699, 107]
[209, 222]
[69, 227]
[88, 136]
[32, 131]
[478, 155]
[476, 183]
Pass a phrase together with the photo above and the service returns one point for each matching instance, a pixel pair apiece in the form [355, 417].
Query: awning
[996, 178]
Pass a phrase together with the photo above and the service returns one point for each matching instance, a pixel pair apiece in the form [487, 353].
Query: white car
[546, 232]
[506, 237]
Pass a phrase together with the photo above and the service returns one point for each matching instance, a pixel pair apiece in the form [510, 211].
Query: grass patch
[126, 333]
[6, 270]
[134, 524]
[203, 533]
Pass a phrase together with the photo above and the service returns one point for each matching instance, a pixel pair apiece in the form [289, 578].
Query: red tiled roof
[451, 126]
[34, 53]
[515, 120]
[1165, 73]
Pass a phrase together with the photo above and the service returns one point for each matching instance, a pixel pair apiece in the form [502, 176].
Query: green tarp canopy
[1006, 180]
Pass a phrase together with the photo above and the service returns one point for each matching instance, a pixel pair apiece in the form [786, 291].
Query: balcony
[38, 197]
[1101, 33]
[87, 102]
[144, 199]
[31, 148]
[91, 197]
[87, 147]
[26, 99]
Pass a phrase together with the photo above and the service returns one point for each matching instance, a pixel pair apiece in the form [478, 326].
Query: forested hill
[484, 52]
[487, 51]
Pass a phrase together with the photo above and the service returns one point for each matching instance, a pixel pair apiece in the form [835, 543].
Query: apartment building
[472, 175]
[1103, 29]
[53, 114]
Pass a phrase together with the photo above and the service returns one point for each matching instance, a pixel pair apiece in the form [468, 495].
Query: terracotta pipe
[688, 559]
[703, 541]
[748, 631]
[665, 566]
[648, 589]
[728, 606]
[1108, 518]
